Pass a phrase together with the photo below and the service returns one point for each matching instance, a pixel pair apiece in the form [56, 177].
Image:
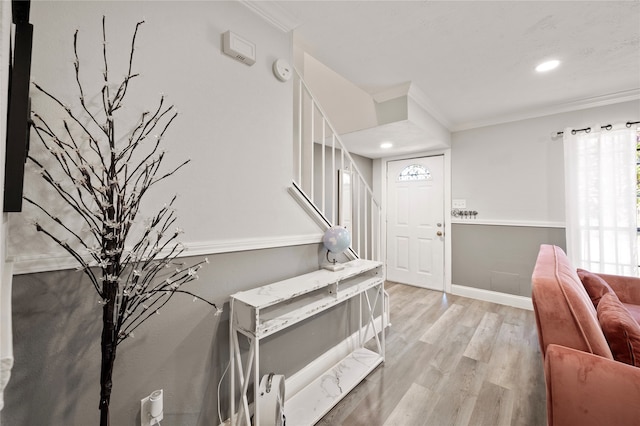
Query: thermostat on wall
[239, 48]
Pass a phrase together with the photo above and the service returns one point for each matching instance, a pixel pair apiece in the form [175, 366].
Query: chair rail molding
[27, 264]
[505, 222]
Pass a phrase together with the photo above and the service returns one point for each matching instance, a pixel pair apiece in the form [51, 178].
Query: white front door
[415, 222]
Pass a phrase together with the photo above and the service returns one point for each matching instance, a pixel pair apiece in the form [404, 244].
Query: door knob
[439, 233]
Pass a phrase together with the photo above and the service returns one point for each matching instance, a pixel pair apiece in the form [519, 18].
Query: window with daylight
[601, 199]
[414, 172]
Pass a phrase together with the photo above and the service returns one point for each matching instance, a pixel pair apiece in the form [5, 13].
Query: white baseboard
[493, 296]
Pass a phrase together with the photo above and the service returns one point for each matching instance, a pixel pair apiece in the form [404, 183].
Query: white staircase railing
[329, 179]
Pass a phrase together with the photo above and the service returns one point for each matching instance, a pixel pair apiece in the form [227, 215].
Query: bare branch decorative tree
[104, 178]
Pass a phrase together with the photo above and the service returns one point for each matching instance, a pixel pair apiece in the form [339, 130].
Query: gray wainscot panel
[497, 257]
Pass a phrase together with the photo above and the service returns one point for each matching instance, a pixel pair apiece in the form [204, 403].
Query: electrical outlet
[459, 204]
[151, 409]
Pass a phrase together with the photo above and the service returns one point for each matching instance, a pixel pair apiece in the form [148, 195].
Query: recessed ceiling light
[386, 145]
[547, 66]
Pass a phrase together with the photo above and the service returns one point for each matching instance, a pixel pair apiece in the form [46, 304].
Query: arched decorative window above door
[414, 172]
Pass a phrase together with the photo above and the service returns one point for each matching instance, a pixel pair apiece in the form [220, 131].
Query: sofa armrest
[627, 288]
[589, 390]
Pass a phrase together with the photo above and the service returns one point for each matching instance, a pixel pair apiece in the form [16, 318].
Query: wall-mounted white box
[459, 204]
[239, 48]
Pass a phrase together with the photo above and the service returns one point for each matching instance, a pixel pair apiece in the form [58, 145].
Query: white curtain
[600, 195]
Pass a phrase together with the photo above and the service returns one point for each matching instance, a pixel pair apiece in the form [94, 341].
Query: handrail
[333, 130]
[350, 200]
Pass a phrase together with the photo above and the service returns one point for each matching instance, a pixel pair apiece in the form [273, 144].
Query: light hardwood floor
[450, 361]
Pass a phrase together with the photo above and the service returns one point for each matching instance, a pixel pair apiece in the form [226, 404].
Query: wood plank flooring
[450, 360]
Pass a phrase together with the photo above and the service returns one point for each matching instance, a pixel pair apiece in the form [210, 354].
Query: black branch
[103, 179]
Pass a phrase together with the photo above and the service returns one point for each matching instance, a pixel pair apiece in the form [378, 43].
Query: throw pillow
[594, 284]
[620, 329]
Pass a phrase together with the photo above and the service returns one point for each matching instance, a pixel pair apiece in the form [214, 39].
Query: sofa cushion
[626, 288]
[621, 330]
[634, 310]
[596, 286]
[564, 312]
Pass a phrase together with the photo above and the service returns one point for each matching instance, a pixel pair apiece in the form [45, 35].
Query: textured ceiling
[474, 60]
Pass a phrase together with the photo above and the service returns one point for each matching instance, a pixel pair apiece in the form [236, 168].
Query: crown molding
[273, 13]
[596, 101]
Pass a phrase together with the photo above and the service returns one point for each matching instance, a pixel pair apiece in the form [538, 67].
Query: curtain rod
[588, 129]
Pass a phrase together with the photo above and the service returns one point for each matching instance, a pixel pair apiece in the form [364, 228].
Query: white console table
[270, 309]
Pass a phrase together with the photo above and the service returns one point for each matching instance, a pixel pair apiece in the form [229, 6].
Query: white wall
[348, 107]
[234, 123]
[513, 172]
[513, 175]
[437, 135]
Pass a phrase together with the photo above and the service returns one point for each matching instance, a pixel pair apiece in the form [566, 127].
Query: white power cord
[219, 384]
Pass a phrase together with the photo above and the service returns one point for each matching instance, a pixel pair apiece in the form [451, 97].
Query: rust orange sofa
[585, 385]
